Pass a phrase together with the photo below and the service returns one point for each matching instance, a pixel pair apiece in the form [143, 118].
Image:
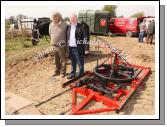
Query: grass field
[15, 51]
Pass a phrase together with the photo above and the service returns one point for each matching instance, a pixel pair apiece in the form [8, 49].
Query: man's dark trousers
[76, 58]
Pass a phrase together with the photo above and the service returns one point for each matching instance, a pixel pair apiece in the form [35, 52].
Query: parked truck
[126, 26]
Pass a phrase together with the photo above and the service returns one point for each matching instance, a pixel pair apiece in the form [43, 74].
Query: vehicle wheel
[129, 34]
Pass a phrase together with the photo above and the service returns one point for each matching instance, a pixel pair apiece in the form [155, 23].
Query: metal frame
[113, 103]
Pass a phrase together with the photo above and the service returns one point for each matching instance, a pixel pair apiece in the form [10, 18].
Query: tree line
[112, 10]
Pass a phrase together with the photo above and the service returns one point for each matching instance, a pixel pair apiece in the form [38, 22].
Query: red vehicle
[125, 26]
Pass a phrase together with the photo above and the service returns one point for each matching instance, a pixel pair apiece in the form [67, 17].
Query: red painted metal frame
[111, 104]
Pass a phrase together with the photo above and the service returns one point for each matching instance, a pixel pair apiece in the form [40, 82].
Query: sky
[37, 11]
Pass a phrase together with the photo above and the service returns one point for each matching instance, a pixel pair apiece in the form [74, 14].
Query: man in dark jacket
[75, 38]
[150, 31]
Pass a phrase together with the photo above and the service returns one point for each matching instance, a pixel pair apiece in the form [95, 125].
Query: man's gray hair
[57, 13]
[73, 14]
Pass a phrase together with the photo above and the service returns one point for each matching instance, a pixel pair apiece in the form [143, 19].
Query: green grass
[14, 50]
[16, 44]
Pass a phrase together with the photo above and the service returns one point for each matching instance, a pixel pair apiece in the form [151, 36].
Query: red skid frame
[112, 104]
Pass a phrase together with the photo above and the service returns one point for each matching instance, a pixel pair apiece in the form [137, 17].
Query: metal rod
[53, 97]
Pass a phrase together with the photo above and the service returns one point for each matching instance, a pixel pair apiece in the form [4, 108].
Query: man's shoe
[63, 75]
[70, 77]
[55, 74]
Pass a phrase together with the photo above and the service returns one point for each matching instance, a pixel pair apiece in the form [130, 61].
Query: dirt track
[32, 80]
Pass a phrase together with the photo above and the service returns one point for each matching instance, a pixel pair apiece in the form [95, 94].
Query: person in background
[142, 28]
[150, 32]
[57, 31]
[75, 38]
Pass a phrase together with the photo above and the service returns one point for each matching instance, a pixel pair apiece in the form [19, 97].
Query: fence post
[22, 33]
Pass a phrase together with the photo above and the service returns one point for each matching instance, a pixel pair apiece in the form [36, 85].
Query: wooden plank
[15, 104]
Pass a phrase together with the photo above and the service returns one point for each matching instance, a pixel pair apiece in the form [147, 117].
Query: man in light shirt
[57, 31]
[142, 28]
[75, 37]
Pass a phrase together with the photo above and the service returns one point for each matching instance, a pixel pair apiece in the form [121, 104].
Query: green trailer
[88, 17]
[82, 16]
[93, 18]
[101, 16]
